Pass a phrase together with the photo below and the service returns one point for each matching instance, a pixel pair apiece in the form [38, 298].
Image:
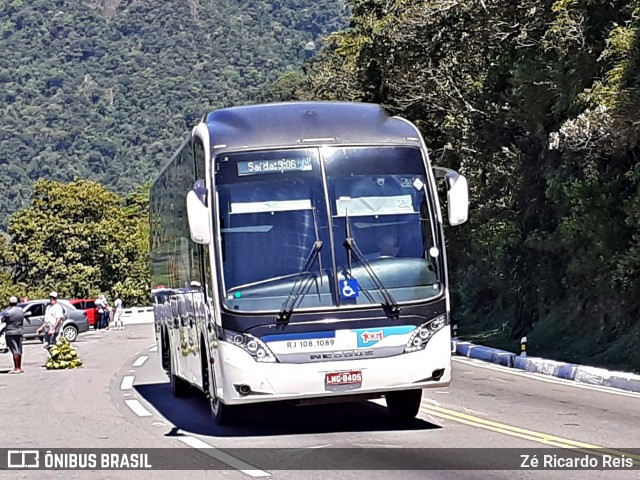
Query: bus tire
[164, 350]
[179, 388]
[224, 415]
[404, 404]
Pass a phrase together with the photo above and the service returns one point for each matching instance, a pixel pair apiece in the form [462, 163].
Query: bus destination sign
[275, 166]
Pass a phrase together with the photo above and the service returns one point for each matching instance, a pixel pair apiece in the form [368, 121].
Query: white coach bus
[297, 254]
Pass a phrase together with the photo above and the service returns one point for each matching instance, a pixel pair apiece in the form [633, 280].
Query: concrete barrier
[504, 358]
[624, 381]
[493, 355]
[546, 367]
[569, 371]
[137, 315]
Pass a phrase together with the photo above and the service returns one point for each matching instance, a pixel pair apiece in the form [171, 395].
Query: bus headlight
[422, 334]
[250, 344]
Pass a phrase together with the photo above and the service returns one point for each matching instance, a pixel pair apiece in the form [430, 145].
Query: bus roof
[300, 123]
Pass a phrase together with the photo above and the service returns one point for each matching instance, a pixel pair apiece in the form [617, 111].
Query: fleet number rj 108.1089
[322, 342]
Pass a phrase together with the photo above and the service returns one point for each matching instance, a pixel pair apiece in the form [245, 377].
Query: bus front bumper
[246, 381]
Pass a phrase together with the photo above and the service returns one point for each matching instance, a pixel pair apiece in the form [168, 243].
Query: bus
[298, 255]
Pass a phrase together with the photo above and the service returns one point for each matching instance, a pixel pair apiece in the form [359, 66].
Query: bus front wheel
[405, 404]
[223, 415]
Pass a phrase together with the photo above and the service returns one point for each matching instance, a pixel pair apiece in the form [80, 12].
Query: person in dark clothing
[387, 248]
[14, 319]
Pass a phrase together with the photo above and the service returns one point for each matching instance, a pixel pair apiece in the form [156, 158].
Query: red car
[89, 306]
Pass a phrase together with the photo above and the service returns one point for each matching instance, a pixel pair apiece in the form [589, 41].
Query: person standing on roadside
[105, 312]
[14, 319]
[117, 315]
[100, 311]
[53, 318]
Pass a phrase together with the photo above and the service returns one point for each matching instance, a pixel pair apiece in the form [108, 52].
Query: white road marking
[542, 377]
[137, 408]
[223, 457]
[376, 445]
[140, 361]
[127, 382]
[153, 345]
[154, 348]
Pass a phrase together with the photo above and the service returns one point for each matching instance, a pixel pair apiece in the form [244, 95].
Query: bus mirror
[199, 219]
[457, 195]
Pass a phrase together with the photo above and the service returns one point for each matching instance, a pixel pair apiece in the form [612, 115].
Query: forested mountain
[537, 102]
[107, 89]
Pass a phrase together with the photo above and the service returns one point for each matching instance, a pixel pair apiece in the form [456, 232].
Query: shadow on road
[192, 415]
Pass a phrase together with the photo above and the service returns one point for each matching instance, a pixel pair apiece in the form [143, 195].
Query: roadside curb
[567, 371]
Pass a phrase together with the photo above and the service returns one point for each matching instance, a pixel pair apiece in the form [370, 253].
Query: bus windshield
[362, 233]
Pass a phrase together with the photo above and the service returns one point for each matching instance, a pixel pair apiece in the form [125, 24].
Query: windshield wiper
[299, 288]
[352, 247]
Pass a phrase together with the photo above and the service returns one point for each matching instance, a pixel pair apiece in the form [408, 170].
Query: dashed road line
[137, 408]
[140, 361]
[223, 457]
[127, 382]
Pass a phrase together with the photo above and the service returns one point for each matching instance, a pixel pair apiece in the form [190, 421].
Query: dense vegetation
[81, 240]
[537, 102]
[107, 90]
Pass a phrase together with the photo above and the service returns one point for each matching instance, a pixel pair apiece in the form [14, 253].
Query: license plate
[343, 378]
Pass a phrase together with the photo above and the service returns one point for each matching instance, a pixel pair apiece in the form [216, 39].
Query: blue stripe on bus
[298, 336]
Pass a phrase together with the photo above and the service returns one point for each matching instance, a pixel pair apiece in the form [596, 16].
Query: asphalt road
[121, 398]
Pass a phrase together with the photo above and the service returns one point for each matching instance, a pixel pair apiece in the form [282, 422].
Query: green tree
[81, 239]
[536, 102]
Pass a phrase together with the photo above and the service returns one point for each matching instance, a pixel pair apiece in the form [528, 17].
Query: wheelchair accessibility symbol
[349, 288]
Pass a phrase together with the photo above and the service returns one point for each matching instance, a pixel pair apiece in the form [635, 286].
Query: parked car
[34, 317]
[89, 306]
